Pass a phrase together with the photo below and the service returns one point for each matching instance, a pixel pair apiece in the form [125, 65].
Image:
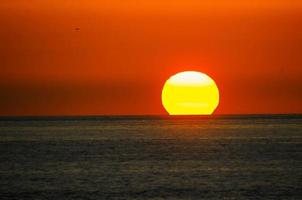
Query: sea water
[152, 157]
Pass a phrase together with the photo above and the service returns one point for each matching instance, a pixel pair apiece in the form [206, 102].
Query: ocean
[151, 157]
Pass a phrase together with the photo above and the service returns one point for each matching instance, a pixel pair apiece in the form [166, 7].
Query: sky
[112, 57]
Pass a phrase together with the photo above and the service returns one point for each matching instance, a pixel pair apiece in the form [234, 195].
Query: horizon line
[150, 116]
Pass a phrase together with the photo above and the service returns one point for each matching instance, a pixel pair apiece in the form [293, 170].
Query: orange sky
[124, 50]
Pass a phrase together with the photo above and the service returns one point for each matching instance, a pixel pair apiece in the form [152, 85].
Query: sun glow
[190, 93]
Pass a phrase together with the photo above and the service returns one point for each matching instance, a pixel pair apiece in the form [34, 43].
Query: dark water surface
[228, 157]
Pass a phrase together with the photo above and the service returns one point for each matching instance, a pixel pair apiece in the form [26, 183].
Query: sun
[190, 93]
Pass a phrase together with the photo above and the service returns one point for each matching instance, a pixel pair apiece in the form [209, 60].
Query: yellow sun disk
[190, 93]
